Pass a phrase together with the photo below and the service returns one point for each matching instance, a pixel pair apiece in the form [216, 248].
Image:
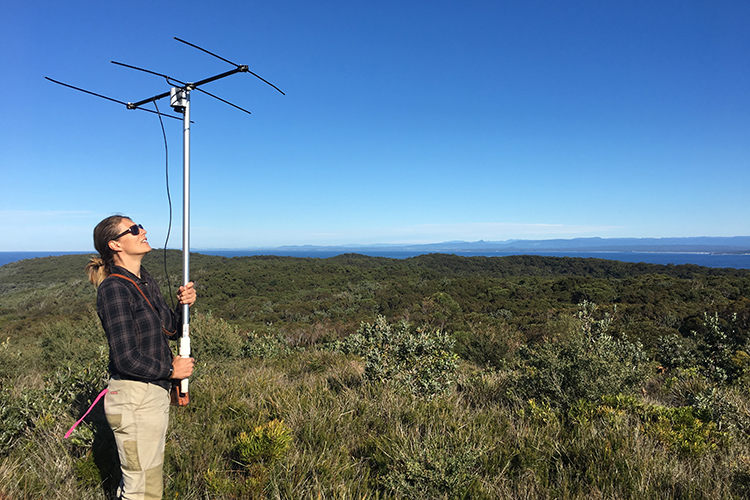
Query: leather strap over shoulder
[144, 296]
[136, 285]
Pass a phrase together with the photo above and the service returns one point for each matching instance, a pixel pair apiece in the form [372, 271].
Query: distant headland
[702, 244]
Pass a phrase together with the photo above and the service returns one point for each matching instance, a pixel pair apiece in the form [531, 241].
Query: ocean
[737, 261]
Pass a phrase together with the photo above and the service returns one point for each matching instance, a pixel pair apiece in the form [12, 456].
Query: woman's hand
[186, 294]
[182, 367]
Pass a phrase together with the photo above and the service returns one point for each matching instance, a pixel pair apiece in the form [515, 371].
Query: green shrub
[723, 348]
[741, 362]
[683, 385]
[435, 470]
[17, 413]
[488, 343]
[587, 364]
[77, 384]
[232, 484]
[66, 342]
[214, 338]
[264, 444]
[265, 346]
[726, 408]
[683, 430]
[257, 453]
[70, 389]
[439, 309]
[423, 362]
[675, 351]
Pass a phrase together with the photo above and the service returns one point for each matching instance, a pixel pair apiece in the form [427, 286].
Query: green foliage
[364, 440]
[488, 343]
[420, 361]
[265, 346]
[582, 429]
[258, 451]
[435, 469]
[66, 342]
[233, 484]
[214, 338]
[78, 383]
[726, 407]
[675, 351]
[682, 430]
[72, 387]
[290, 295]
[17, 412]
[265, 444]
[722, 346]
[41, 271]
[586, 364]
[440, 308]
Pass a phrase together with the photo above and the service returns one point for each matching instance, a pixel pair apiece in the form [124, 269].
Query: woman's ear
[114, 245]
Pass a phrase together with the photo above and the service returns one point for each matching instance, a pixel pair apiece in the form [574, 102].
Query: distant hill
[703, 244]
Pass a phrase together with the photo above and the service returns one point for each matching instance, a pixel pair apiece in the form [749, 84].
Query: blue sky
[403, 121]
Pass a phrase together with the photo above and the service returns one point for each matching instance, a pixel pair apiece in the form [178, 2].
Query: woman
[142, 368]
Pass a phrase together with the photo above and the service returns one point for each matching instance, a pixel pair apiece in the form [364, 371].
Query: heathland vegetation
[425, 378]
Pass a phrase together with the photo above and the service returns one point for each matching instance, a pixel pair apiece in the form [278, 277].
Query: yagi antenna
[173, 82]
[179, 99]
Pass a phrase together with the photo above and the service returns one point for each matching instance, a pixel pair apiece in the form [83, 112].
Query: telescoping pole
[185, 340]
[181, 101]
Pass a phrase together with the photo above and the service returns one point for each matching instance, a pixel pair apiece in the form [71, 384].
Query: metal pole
[185, 340]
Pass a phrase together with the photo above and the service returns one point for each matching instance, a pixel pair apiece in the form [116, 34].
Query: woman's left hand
[186, 294]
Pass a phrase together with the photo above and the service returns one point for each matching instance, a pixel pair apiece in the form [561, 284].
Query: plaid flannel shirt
[138, 347]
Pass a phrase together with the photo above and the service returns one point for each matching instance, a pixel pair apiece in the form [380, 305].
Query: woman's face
[132, 244]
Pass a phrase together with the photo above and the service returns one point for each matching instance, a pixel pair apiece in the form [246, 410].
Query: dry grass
[353, 439]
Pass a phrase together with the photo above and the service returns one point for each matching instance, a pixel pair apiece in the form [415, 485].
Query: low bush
[434, 469]
[214, 338]
[684, 430]
[723, 348]
[265, 444]
[675, 351]
[488, 343]
[68, 342]
[586, 364]
[265, 346]
[257, 452]
[422, 362]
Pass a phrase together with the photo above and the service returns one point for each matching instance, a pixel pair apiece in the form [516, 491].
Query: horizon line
[386, 245]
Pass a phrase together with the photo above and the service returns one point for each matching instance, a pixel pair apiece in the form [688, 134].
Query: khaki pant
[138, 413]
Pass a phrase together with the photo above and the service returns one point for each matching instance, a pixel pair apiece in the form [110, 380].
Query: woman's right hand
[182, 367]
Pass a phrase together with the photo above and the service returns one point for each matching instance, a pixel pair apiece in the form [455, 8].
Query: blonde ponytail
[96, 270]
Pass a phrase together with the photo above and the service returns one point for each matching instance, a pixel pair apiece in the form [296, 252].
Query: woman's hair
[104, 232]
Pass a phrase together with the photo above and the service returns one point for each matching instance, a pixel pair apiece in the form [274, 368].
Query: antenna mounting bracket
[178, 99]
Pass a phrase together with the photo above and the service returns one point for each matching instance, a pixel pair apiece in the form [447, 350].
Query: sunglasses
[135, 229]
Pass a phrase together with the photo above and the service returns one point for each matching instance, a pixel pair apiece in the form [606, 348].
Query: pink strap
[67, 434]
